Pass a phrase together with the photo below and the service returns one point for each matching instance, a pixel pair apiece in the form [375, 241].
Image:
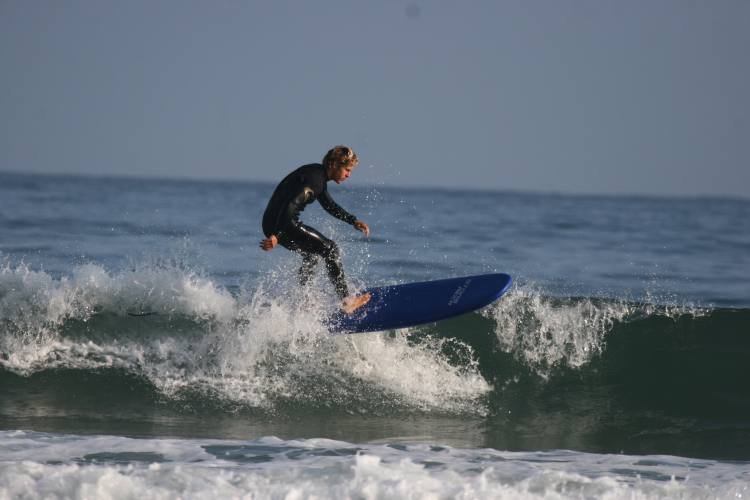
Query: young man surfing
[281, 223]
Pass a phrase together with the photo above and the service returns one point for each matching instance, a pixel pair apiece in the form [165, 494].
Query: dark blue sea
[150, 349]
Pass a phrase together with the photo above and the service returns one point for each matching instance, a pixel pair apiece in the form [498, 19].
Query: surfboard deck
[412, 304]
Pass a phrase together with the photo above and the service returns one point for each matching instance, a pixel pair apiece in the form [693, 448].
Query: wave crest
[545, 333]
[256, 349]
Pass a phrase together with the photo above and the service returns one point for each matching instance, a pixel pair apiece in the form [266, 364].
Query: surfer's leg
[312, 245]
[336, 270]
[309, 261]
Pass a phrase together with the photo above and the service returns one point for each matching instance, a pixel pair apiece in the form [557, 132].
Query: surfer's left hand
[362, 227]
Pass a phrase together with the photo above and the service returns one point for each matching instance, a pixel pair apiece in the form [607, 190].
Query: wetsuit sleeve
[289, 214]
[334, 209]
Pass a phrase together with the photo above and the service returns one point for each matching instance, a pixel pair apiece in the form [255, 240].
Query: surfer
[281, 224]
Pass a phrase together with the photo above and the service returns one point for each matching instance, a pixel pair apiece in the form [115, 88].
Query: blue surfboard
[412, 304]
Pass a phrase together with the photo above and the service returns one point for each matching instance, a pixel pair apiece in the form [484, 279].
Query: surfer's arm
[334, 209]
[289, 213]
[287, 216]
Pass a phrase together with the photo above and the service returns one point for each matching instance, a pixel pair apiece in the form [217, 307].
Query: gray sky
[587, 96]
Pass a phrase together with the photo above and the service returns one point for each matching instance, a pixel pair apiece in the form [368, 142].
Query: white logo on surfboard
[458, 293]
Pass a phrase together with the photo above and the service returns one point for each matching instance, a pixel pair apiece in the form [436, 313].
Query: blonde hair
[340, 156]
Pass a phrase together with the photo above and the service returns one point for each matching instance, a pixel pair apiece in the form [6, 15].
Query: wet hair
[342, 156]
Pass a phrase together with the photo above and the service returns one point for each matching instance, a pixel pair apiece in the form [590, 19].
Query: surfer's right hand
[268, 243]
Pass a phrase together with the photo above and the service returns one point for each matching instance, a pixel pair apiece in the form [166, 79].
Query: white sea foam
[34, 302]
[545, 332]
[414, 371]
[34, 465]
[255, 348]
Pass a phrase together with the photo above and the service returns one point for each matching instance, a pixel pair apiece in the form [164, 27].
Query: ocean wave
[267, 349]
[258, 349]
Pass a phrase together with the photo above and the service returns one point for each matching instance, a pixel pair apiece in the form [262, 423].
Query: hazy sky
[586, 96]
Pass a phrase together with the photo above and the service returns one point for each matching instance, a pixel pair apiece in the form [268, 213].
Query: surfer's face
[340, 173]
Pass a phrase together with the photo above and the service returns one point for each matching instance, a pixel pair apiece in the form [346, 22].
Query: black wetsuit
[281, 218]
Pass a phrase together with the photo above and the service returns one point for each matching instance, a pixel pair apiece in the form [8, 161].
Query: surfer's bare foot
[351, 304]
